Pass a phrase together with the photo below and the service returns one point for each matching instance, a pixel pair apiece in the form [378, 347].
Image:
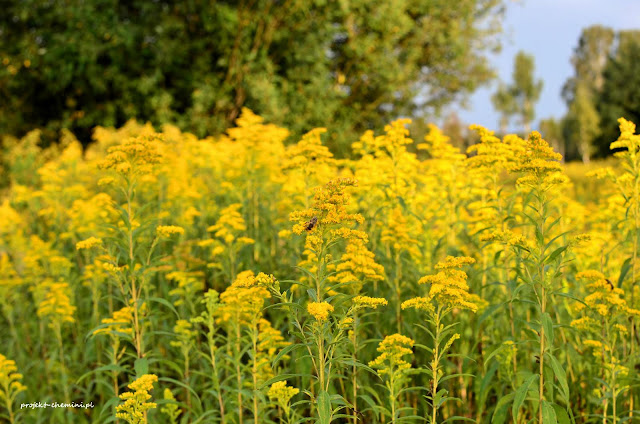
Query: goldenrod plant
[255, 277]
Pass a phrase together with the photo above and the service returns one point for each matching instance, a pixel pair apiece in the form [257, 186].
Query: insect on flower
[311, 224]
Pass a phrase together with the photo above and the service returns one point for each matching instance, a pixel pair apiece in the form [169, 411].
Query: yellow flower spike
[135, 405]
[328, 209]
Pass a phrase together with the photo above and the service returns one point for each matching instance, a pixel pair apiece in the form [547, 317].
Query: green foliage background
[299, 63]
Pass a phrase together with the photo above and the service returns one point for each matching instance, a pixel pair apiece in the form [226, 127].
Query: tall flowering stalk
[604, 315]
[391, 365]
[541, 173]
[10, 385]
[627, 148]
[208, 318]
[130, 162]
[326, 223]
[240, 312]
[56, 308]
[280, 393]
[448, 290]
[117, 327]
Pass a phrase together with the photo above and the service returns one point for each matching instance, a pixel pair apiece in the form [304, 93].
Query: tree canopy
[196, 63]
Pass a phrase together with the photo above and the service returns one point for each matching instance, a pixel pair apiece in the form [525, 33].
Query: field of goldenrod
[159, 278]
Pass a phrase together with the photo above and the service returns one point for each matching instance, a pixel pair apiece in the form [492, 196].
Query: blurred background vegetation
[350, 64]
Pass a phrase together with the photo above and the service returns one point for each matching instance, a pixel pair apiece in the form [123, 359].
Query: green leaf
[554, 255]
[500, 413]
[561, 414]
[324, 408]
[561, 375]
[141, 366]
[548, 413]
[626, 266]
[164, 302]
[521, 395]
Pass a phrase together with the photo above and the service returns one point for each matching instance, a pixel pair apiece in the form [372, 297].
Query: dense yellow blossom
[320, 310]
[281, 393]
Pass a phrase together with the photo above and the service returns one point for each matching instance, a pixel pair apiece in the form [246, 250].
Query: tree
[526, 91]
[504, 102]
[620, 94]
[520, 96]
[551, 130]
[589, 60]
[582, 123]
[196, 63]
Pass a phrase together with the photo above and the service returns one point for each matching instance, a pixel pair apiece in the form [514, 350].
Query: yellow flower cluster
[369, 302]
[169, 230]
[119, 323]
[357, 266]
[320, 310]
[88, 243]
[184, 333]
[56, 305]
[392, 350]
[438, 146]
[328, 209]
[137, 155]
[135, 405]
[629, 141]
[243, 301]
[230, 224]
[280, 393]
[170, 408]
[508, 238]
[448, 287]
[604, 297]
[539, 163]
[493, 155]
[309, 152]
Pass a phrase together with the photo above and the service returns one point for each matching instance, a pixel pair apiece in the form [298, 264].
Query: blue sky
[549, 30]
